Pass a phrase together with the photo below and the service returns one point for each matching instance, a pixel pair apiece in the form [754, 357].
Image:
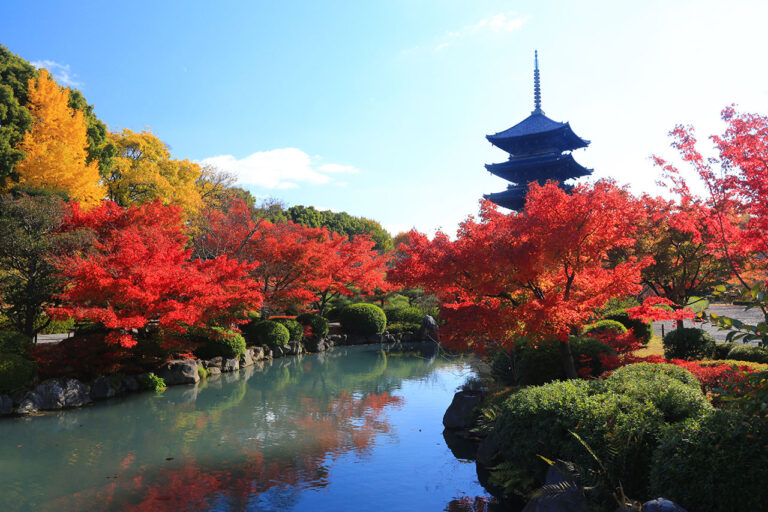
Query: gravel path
[752, 316]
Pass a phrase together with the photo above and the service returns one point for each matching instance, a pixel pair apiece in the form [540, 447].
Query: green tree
[14, 118]
[29, 281]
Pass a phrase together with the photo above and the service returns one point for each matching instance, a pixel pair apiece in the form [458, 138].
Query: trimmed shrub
[751, 353]
[217, 341]
[318, 324]
[295, 329]
[643, 331]
[722, 350]
[403, 327]
[644, 371]
[688, 343]
[15, 372]
[14, 343]
[364, 319]
[604, 326]
[407, 315]
[589, 353]
[269, 333]
[716, 464]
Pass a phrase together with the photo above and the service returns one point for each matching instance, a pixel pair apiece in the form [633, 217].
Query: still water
[353, 429]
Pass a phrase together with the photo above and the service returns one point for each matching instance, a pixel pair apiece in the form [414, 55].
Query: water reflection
[265, 438]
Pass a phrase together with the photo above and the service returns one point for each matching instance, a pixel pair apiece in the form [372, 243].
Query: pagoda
[539, 150]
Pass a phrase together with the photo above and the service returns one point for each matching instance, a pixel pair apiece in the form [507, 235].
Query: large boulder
[246, 359]
[131, 383]
[6, 405]
[179, 371]
[31, 402]
[105, 387]
[214, 370]
[257, 353]
[58, 394]
[661, 505]
[294, 348]
[429, 328]
[461, 412]
[315, 344]
[216, 362]
[230, 365]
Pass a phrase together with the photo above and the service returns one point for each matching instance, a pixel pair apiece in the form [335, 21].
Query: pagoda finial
[536, 85]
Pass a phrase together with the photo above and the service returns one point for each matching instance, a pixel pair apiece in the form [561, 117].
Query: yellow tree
[55, 145]
[143, 171]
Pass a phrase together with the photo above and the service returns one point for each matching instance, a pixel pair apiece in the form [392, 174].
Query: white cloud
[499, 23]
[282, 168]
[61, 72]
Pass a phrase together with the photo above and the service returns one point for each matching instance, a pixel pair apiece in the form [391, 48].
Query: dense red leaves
[540, 273]
[138, 273]
[295, 265]
[651, 312]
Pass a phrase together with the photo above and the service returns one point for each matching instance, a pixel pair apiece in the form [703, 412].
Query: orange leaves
[55, 145]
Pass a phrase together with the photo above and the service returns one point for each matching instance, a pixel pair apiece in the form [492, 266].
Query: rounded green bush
[718, 463]
[751, 353]
[217, 341]
[722, 350]
[543, 363]
[269, 333]
[15, 372]
[364, 319]
[295, 329]
[407, 315]
[317, 323]
[603, 326]
[14, 342]
[402, 327]
[644, 371]
[643, 331]
[688, 343]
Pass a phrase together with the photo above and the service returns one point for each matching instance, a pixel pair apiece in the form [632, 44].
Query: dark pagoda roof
[513, 198]
[523, 170]
[537, 133]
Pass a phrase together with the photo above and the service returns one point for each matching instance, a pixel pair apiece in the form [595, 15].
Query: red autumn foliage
[540, 273]
[295, 265]
[138, 274]
[650, 311]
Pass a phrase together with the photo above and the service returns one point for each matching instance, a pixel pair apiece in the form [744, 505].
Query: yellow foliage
[143, 171]
[55, 145]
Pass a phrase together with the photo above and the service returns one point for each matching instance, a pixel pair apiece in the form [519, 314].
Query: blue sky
[380, 108]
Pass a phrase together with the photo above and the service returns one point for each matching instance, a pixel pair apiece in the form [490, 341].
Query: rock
[257, 353]
[461, 447]
[570, 500]
[59, 393]
[488, 451]
[460, 414]
[230, 365]
[214, 370]
[6, 405]
[247, 358]
[661, 505]
[103, 388]
[315, 344]
[278, 352]
[179, 371]
[131, 383]
[295, 348]
[429, 328]
[217, 362]
[29, 403]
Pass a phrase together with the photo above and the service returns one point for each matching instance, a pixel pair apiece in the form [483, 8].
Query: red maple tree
[538, 274]
[138, 275]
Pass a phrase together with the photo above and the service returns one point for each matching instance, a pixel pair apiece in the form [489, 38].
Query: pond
[352, 429]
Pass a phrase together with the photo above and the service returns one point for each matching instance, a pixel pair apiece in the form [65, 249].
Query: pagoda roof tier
[513, 198]
[536, 134]
[539, 168]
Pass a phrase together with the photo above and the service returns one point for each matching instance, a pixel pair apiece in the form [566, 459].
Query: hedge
[317, 323]
[364, 319]
[688, 343]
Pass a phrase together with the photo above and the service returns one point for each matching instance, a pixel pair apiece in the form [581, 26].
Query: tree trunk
[567, 359]
[678, 324]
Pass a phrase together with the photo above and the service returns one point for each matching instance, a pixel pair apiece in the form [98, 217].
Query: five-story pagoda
[539, 150]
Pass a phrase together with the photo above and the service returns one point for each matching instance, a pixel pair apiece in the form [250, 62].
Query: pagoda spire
[536, 85]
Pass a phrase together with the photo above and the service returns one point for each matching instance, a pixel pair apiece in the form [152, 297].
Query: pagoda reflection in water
[539, 150]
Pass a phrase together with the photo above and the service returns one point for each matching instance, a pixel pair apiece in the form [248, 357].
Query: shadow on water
[292, 434]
